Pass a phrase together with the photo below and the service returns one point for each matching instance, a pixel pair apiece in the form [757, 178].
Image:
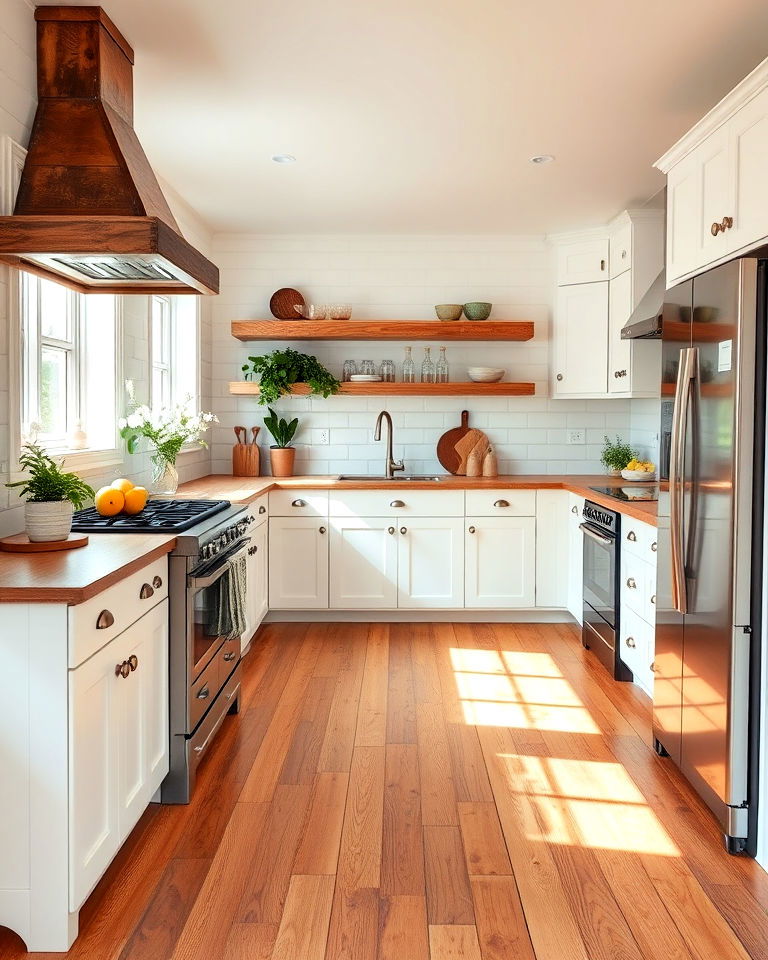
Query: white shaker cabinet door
[500, 562]
[298, 563]
[363, 563]
[575, 557]
[581, 340]
[430, 567]
[749, 151]
[260, 567]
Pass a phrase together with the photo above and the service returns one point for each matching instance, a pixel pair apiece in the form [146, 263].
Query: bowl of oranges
[120, 496]
[639, 470]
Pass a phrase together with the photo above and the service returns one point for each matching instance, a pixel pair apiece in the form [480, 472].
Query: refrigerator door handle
[686, 376]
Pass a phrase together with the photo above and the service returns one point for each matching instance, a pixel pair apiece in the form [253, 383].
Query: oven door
[203, 604]
[600, 571]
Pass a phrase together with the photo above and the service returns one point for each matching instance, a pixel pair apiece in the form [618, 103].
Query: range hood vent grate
[114, 268]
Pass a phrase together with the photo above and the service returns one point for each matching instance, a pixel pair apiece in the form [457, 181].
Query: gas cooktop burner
[630, 493]
[159, 516]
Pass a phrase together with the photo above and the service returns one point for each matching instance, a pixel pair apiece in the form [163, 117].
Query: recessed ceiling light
[542, 158]
[284, 158]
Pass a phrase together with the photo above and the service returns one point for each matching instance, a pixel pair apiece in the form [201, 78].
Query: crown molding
[731, 103]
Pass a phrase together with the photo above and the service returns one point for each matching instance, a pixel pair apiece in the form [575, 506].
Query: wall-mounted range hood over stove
[89, 210]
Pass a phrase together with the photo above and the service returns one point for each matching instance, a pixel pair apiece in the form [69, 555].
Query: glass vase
[165, 478]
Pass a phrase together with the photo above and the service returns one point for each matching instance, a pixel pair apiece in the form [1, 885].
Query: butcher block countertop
[247, 489]
[73, 576]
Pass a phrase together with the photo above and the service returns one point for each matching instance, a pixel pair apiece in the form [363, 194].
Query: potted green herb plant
[616, 455]
[281, 454]
[50, 494]
[278, 371]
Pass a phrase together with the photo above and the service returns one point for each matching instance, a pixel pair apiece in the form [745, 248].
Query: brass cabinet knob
[133, 662]
[391, 531]
[122, 669]
[630, 642]
[654, 546]
[104, 620]
[299, 503]
[632, 536]
[715, 228]
[727, 223]
[322, 529]
[501, 503]
[157, 583]
[146, 592]
[559, 376]
[471, 529]
[397, 503]
[403, 529]
[631, 583]
[262, 509]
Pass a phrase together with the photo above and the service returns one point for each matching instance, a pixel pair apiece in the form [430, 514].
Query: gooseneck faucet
[392, 464]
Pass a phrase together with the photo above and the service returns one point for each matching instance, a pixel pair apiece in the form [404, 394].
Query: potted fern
[281, 454]
[51, 495]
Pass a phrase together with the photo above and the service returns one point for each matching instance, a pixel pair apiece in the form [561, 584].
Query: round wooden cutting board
[20, 543]
[283, 302]
[455, 445]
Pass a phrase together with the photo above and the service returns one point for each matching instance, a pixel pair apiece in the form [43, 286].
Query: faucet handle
[397, 465]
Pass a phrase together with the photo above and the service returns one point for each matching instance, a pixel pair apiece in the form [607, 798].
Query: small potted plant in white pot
[616, 455]
[50, 494]
[281, 454]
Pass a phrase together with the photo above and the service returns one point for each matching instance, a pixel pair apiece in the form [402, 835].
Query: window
[174, 338]
[68, 365]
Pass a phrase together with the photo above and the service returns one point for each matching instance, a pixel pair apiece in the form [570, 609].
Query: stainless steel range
[204, 660]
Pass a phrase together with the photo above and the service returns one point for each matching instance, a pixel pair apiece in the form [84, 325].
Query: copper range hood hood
[89, 211]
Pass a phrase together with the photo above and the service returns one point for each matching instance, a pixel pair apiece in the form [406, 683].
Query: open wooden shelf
[246, 330]
[249, 388]
[707, 389]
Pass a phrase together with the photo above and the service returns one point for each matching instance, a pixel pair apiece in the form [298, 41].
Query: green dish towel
[229, 618]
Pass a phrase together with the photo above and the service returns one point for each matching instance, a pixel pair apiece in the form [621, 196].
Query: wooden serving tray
[20, 543]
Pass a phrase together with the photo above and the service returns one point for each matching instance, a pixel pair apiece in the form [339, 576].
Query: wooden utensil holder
[246, 460]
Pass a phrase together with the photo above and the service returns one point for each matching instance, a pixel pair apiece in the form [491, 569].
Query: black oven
[600, 628]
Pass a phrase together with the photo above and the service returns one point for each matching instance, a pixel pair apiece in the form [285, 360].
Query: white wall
[17, 107]
[402, 278]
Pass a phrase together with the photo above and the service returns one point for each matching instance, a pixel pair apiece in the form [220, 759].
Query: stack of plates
[365, 378]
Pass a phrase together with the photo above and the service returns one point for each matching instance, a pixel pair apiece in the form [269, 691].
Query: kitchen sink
[397, 479]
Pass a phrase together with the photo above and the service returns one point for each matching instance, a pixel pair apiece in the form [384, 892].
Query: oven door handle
[200, 583]
[590, 532]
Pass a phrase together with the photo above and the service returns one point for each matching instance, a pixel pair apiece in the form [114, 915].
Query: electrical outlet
[323, 438]
[575, 436]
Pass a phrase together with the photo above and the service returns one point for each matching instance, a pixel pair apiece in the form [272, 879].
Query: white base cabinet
[257, 602]
[298, 562]
[637, 612]
[500, 562]
[84, 748]
[430, 563]
[575, 557]
[363, 565]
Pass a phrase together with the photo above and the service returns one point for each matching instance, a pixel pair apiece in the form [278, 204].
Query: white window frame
[91, 460]
[167, 365]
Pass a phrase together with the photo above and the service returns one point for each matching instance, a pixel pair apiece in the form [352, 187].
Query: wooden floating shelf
[246, 330]
[249, 388]
[707, 389]
[681, 332]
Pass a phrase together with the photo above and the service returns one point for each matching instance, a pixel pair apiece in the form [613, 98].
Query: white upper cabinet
[582, 261]
[580, 341]
[717, 195]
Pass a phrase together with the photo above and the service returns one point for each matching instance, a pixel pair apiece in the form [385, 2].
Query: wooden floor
[416, 791]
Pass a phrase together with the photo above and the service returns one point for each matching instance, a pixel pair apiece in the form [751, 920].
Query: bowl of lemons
[639, 470]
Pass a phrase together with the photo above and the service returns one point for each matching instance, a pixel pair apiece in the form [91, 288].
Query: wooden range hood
[89, 211]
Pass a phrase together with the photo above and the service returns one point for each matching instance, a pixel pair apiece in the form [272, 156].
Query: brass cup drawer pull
[157, 582]
[501, 503]
[632, 536]
[397, 503]
[104, 620]
[262, 508]
[630, 642]
[122, 669]
[146, 592]
[299, 503]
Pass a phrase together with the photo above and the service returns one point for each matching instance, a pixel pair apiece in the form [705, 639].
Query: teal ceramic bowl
[448, 311]
[477, 310]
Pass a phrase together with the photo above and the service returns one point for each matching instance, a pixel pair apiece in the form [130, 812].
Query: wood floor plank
[270, 873]
[360, 853]
[318, 851]
[501, 927]
[249, 941]
[303, 931]
[454, 943]
[208, 924]
[484, 847]
[449, 897]
[402, 859]
[470, 776]
[353, 933]
[401, 699]
[426, 676]
[301, 760]
[339, 741]
[444, 645]
[403, 931]
[438, 797]
[265, 773]
[372, 715]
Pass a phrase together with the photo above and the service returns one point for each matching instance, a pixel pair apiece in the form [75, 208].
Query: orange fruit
[109, 501]
[135, 500]
[122, 484]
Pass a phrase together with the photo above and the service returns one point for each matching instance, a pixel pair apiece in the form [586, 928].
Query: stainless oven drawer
[203, 691]
[227, 657]
[198, 745]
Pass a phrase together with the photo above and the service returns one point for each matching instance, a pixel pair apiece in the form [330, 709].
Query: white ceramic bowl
[485, 374]
[639, 474]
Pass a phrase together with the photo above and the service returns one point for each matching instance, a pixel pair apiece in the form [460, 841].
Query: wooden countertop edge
[75, 595]
[640, 510]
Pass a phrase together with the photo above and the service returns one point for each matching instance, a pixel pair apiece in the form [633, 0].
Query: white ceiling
[419, 116]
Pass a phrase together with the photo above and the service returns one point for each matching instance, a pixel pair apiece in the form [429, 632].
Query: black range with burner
[647, 493]
[206, 592]
[601, 587]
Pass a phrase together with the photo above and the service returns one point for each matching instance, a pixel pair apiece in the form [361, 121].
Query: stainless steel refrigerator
[706, 662]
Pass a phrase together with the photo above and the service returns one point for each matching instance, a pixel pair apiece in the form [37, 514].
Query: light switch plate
[575, 436]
